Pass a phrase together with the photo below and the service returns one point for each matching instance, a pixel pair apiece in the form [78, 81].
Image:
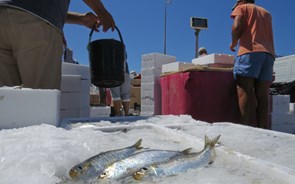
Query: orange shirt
[257, 35]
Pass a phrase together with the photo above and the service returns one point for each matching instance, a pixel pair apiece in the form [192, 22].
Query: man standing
[31, 39]
[253, 69]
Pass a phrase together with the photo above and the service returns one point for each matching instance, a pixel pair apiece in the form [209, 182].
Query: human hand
[106, 20]
[90, 20]
[232, 48]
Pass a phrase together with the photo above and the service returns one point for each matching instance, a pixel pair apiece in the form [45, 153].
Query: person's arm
[88, 19]
[104, 17]
[237, 29]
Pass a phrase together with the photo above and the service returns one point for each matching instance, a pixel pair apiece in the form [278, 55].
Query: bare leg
[126, 107]
[117, 107]
[245, 89]
[261, 92]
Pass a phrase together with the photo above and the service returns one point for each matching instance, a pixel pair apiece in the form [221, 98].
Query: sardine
[126, 167]
[180, 164]
[93, 166]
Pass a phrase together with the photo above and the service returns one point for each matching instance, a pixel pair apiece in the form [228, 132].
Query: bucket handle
[117, 29]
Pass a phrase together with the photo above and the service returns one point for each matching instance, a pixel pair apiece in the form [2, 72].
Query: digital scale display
[199, 23]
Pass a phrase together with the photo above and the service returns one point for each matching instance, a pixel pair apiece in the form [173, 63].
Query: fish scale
[181, 163]
[129, 165]
[93, 166]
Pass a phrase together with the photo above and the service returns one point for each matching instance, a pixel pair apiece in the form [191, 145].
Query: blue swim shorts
[258, 65]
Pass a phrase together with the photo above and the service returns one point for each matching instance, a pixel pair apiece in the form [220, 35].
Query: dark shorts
[258, 65]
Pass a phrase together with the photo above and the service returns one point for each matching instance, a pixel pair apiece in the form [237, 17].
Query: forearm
[235, 36]
[74, 18]
[96, 6]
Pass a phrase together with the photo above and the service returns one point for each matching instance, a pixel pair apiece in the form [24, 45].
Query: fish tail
[211, 143]
[137, 145]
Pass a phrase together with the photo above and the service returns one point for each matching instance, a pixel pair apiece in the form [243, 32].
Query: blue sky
[142, 26]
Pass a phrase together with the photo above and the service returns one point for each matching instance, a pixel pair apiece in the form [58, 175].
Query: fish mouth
[103, 175]
[139, 174]
[73, 174]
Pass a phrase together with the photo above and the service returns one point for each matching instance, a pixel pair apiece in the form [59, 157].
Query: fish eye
[144, 169]
[79, 167]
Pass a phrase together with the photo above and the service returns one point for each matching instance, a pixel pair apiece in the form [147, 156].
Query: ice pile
[43, 154]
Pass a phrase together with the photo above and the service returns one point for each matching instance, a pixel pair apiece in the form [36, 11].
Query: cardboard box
[134, 96]
[135, 82]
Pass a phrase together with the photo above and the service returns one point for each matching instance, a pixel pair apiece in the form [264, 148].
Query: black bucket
[107, 59]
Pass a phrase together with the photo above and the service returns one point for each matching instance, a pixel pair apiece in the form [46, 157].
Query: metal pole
[197, 31]
[165, 22]
[165, 18]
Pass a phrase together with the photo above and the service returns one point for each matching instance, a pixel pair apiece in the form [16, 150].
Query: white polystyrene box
[284, 68]
[151, 72]
[176, 66]
[151, 98]
[26, 107]
[100, 111]
[76, 69]
[292, 108]
[85, 93]
[71, 83]
[283, 123]
[156, 60]
[75, 113]
[280, 104]
[214, 58]
[70, 100]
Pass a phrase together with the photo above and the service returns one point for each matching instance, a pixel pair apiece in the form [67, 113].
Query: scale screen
[199, 23]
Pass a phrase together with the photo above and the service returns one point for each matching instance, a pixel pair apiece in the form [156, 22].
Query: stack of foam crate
[150, 87]
[283, 114]
[75, 91]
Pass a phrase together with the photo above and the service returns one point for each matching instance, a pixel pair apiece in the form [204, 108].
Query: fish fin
[187, 151]
[137, 145]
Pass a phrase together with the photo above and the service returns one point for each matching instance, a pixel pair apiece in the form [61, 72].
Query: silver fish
[93, 166]
[127, 166]
[181, 163]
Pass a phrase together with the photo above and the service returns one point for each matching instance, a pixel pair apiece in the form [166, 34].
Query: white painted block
[155, 60]
[214, 58]
[76, 69]
[280, 104]
[283, 123]
[26, 107]
[176, 67]
[71, 83]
